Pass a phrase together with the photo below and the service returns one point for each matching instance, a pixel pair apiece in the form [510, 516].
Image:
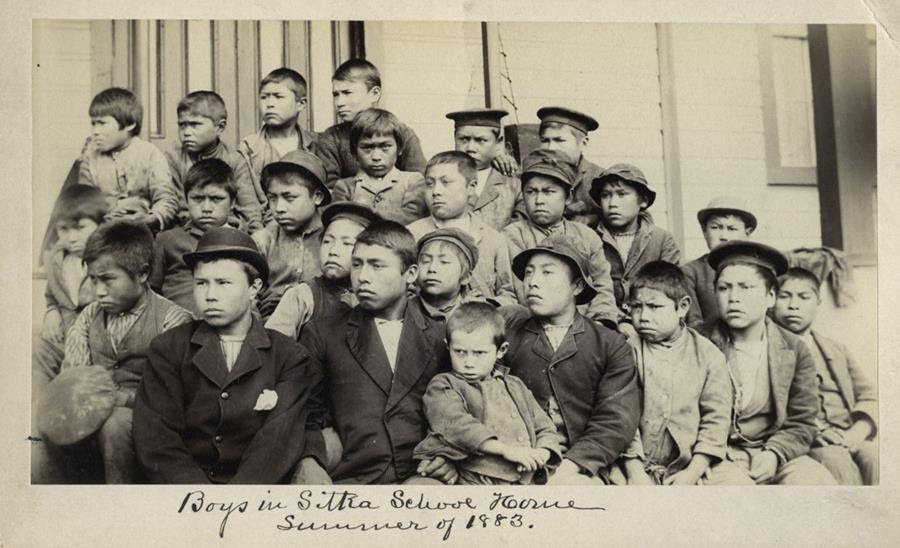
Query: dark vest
[326, 298]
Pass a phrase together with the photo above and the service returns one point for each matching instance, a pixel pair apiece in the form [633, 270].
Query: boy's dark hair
[797, 273]
[393, 236]
[769, 279]
[473, 316]
[661, 276]
[372, 122]
[211, 171]
[294, 79]
[78, 202]
[119, 103]
[289, 175]
[358, 70]
[250, 270]
[463, 162]
[129, 244]
[208, 104]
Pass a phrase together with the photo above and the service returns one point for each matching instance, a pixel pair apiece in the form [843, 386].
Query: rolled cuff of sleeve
[315, 448]
[711, 450]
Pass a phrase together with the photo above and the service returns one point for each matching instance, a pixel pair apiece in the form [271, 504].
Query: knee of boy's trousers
[803, 470]
[866, 457]
[117, 428]
[839, 463]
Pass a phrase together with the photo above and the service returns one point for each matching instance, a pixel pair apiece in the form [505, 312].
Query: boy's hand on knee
[856, 434]
[830, 436]
[763, 466]
[683, 477]
[438, 468]
[541, 455]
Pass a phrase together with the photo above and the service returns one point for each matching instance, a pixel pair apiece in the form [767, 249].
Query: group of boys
[317, 308]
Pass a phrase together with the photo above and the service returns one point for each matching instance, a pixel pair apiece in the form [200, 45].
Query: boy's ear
[302, 102]
[130, 128]
[584, 141]
[255, 288]
[144, 274]
[411, 274]
[318, 197]
[376, 92]
[570, 196]
[220, 126]
[501, 350]
[683, 306]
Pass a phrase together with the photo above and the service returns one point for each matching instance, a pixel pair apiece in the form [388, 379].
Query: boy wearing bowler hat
[581, 373]
[776, 397]
[222, 400]
[547, 183]
[497, 198]
[724, 218]
[295, 188]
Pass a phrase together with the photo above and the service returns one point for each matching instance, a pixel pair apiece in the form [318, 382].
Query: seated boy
[121, 164]
[210, 189]
[445, 260]
[497, 198]
[847, 416]
[282, 97]
[379, 357]
[79, 211]
[328, 293]
[114, 333]
[201, 120]
[566, 130]
[687, 394]
[376, 139]
[772, 371]
[450, 183]
[725, 218]
[480, 416]
[356, 86]
[581, 373]
[223, 399]
[630, 239]
[295, 190]
[547, 179]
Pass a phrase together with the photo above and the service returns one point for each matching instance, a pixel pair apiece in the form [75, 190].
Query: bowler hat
[747, 252]
[75, 404]
[627, 173]
[307, 163]
[225, 242]
[727, 205]
[551, 163]
[486, 117]
[563, 115]
[355, 211]
[456, 237]
[559, 246]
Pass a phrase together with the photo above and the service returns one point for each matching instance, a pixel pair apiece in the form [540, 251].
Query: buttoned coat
[500, 201]
[403, 200]
[859, 392]
[700, 279]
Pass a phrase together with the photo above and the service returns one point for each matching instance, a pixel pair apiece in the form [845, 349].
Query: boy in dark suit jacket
[223, 399]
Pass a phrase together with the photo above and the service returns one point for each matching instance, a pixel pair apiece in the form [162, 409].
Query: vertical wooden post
[671, 150]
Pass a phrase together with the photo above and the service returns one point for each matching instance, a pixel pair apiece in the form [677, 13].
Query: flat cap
[456, 237]
[563, 115]
[727, 205]
[551, 163]
[487, 117]
[747, 252]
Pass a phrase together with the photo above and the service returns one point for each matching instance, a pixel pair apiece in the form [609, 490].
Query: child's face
[447, 192]
[440, 270]
[198, 133]
[278, 105]
[107, 135]
[545, 200]
[352, 97]
[73, 234]
[337, 248]
[377, 276]
[291, 203]
[796, 305]
[208, 206]
[549, 288]
[377, 154]
[114, 288]
[655, 316]
[222, 292]
[565, 141]
[721, 228]
[742, 296]
[478, 142]
[621, 203]
[473, 354]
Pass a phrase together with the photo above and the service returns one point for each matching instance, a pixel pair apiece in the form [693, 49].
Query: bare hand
[830, 436]
[541, 455]
[505, 164]
[763, 466]
[523, 456]
[681, 478]
[438, 468]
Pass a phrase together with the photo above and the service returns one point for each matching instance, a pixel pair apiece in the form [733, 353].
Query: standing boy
[687, 394]
[581, 373]
[356, 86]
[210, 189]
[376, 139]
[847, 417]
[450, 183]
[330, 292]
[223, 399]
[445, 261]
[201, 120]
[114, 333]
[497, 198]
[122, 165]
[547, 179]
[295, 190]
[725, 218]
[774, 377]
[377, 360]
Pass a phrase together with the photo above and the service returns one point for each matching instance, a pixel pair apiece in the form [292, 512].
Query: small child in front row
[211, 192]
[396, 195]
[445, 258]
[482, 417]
[687, 393]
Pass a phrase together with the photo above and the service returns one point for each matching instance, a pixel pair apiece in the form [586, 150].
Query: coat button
[520, 439]
[224, 395]
[211, 473]
[218, 439]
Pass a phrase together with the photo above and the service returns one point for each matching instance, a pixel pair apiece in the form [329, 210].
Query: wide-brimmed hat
[625, 172]
[560, 246]
[456, 237]
[225, 242]
[551, 163]
[563, 115]
[75, 404]
[727, 205]
[307, 163]
[747, 252]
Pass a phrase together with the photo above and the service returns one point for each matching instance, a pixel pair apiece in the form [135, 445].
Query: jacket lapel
[209, 359]
[414, 354]
[568, 347]
[248, 359]
[840, 374]
[638, 245]
[490, 192]
[541, 345]
[782, 362]
[366, 347]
